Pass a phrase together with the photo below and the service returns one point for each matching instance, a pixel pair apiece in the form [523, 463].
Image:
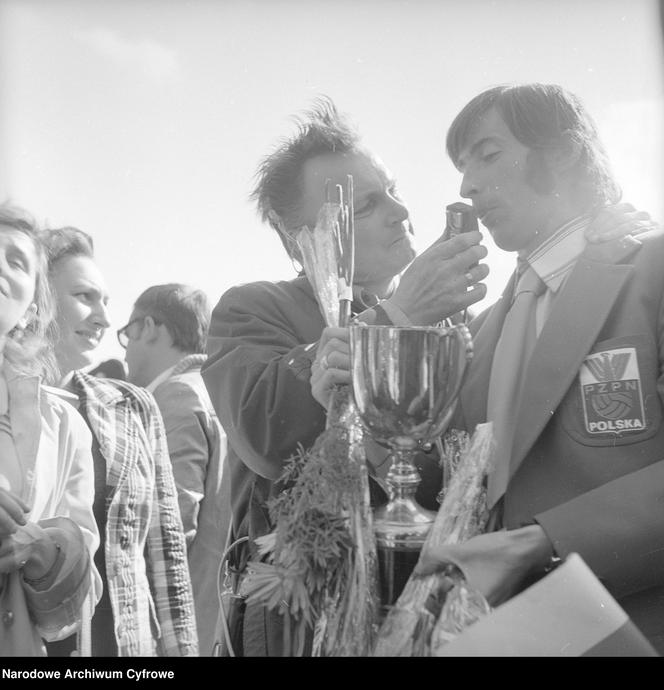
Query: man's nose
[398, 210]
[100, 315]
[469, 185]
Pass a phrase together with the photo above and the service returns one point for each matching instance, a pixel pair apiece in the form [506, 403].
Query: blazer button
[8, 618]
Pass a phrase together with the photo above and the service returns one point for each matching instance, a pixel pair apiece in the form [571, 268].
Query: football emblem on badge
[611, 392]
[612, 405]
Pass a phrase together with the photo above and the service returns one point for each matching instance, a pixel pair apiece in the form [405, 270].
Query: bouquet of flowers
[435, 608]
[321, 557]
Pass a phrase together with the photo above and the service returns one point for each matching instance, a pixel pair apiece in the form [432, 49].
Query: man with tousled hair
[264, 336]
[165, 342]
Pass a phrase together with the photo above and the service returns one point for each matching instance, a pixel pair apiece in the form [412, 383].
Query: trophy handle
[462, 333]
[462, 340]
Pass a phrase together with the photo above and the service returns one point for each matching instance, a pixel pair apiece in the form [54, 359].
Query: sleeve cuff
[59, 605]
[396, 316]
[384, 314]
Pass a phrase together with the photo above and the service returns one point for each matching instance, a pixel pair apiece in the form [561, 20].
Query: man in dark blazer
[585, 467]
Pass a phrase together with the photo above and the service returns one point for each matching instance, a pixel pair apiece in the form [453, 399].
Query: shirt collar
[160, 379]
[555, 257]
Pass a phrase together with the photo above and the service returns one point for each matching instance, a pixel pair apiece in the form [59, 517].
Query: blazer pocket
[614, 399]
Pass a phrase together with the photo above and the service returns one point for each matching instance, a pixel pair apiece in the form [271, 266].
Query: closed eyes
[488, 157]
[373, 198]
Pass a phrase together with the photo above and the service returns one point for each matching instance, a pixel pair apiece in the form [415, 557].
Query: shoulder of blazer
[626, 249]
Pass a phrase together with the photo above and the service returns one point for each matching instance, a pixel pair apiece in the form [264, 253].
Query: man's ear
[275, 220]
[286, 237]
[28, 317]
[150, 332]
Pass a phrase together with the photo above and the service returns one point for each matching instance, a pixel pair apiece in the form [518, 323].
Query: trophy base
[401, 528]
[394, 568]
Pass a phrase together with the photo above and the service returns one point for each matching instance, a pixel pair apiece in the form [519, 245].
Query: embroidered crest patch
[611, 392]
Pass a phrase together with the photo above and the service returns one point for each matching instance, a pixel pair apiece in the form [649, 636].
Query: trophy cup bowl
[406, 382]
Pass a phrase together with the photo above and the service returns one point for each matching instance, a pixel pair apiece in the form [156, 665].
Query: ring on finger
[324, 364]
[469, 278]
[22, 564]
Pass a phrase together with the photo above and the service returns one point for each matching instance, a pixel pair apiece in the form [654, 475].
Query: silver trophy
[406, 381]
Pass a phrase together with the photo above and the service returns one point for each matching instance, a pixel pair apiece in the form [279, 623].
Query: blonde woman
[47, 530]
[147, 608]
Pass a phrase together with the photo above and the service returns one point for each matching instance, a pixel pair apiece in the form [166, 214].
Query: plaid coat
[146, 559]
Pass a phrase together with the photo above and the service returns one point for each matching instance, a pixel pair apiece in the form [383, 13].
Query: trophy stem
[401, 526]
[403, 477]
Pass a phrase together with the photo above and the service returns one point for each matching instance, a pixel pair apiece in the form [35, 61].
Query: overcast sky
[142, 122]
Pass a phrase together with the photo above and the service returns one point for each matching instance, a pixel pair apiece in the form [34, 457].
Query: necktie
[510, 359]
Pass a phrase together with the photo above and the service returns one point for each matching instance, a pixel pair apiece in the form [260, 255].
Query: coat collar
[362, 300]
[188, 363]
[102, 390]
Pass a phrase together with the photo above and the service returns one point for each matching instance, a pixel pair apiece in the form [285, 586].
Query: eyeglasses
[123, 337]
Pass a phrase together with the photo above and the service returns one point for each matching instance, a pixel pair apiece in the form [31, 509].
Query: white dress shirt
[554, 260]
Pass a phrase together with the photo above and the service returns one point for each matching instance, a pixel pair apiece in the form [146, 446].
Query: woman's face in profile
[82, 315]
[18, 275]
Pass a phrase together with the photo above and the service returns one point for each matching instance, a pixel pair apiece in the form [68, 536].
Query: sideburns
[538, 173]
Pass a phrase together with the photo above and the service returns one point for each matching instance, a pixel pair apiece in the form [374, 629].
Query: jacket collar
[101, 389]
[188, 363]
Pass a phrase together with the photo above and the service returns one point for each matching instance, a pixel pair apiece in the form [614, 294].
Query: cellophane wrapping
[320, 562]
[349, 619]
[320, 258]
[433, 609]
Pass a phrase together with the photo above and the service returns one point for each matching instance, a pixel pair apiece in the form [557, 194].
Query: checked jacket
[146, 560]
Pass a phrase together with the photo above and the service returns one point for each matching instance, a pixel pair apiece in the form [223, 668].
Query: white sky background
[142, 122]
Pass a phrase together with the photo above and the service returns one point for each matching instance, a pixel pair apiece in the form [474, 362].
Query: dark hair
[543, 117]
[31, 349]
[61, 243]
[320, 130]
[184, 311]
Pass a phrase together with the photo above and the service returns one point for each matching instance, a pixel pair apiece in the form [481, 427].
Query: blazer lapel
[572, 328]
[474, 392]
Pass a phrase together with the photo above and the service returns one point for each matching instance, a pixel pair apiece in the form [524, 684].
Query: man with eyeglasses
[165, 341]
